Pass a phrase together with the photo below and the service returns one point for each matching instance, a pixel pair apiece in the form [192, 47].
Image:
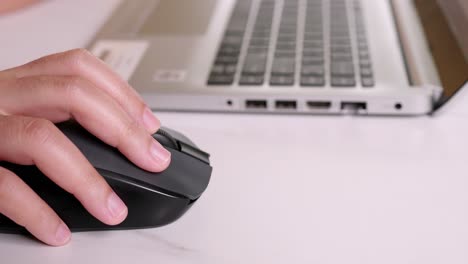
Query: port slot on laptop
[256, 104]
[318, 105]
[354, 107]
[286, 105]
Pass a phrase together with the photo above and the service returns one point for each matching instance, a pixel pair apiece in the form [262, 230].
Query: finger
[27, 141]
[19, 203]
[80, 62]
[63, 97]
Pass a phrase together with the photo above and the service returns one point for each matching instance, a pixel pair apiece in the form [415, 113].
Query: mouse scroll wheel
[166, 139]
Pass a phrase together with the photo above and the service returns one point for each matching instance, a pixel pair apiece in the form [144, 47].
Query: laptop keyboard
[321, 56]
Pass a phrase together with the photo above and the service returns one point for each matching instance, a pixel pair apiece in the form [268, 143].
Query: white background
[285, 189]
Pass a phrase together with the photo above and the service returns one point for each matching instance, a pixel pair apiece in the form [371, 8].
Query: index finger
[80, 62]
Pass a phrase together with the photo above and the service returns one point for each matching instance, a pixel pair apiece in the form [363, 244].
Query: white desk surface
[285, 189]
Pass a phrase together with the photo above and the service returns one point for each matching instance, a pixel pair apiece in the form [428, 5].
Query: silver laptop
[379, 57]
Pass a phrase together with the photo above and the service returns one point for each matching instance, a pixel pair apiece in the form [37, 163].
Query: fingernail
[62, 235]
[150, 121]
[116, 206]
[159, 153]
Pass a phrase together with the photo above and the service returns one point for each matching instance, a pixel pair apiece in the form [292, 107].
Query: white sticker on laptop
[122, 56]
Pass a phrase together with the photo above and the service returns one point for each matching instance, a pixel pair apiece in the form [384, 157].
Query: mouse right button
[194, 152]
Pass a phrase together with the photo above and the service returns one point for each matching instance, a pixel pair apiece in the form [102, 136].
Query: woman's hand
[12, 5]
[77, 85]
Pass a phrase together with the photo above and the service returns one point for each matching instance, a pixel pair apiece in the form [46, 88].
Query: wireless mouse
[153, 199]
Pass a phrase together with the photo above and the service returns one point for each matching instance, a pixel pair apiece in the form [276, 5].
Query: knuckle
[76, 58]
[75, 88]
[78, 55]
[73, 85]
[39, 130]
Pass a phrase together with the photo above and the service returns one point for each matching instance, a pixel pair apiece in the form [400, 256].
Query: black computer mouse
[153, 199]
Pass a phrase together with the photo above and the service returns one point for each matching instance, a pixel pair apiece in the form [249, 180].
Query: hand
[12, 5]
[73, 84]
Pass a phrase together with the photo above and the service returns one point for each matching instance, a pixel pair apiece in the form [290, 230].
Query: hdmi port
[318, 105]
[256, 104]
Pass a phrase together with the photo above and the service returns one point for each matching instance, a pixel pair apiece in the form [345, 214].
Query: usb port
[286, 104]
[353, 106]
[318, 105]
[256, 104]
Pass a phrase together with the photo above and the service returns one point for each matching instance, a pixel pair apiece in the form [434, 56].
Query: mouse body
[153, 199]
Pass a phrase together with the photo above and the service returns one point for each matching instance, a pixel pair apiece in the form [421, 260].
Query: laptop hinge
[455, 105]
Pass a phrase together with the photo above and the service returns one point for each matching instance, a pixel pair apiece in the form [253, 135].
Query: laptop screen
[445, 24]
[456, 12]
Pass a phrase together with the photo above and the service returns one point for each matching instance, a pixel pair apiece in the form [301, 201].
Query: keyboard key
[313, 35]
[223, 69]
[220, 79]
[286, 39]
[281, 80]
[262, 34]
[251, 80]
[307, 50]
[232, 40]
[230, 69]
[312, 70]
[312, 44]
[259, 42]
[280, 54]
[362, 45]
[343, 81]
[257, 51]
[342, 69]
[226, 59]
[364, 63]
[312, 81]
[254, 68]
[363, 54]
[345, 57]
[238, 33]
[341, 49]
[229, 49]
[256, 55]
[284, 62]
[218, 69]
[367, 82]
[312, 53]
[366, 71]
[228, 52]
[340, 41]
[307, 60]
[286, 46]
[283, 66]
